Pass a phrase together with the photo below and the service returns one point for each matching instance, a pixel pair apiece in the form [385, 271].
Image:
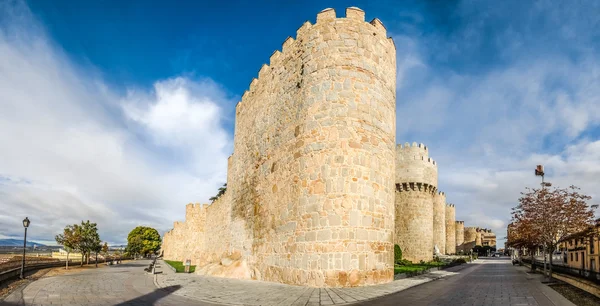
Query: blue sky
[125, 109]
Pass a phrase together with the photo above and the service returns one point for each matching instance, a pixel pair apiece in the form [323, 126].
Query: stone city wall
[310, 194]
[414, 221]
[450, 229]
[470, 238]
[460, 236]
[439, 221]
[416, 185]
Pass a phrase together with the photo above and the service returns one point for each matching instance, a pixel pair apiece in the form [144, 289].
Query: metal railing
[581, 273]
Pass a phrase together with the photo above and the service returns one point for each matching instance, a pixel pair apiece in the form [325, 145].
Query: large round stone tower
[416, 185]
[439, 221]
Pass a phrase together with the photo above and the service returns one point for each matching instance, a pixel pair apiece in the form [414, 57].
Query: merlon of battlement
[460, 222]
[450, 205]
[407, 145]
[379, 26]
[441, 193]
[355, 13]
[325, 15]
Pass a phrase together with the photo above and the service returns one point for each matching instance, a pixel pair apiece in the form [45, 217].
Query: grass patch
[410, 269]
[179, 267]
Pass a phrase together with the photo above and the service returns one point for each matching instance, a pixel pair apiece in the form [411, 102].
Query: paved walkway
[486, 282]
[124, 284]
[241, 292]
[493, 281]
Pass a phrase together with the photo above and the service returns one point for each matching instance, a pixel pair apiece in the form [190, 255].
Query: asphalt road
[491, 281]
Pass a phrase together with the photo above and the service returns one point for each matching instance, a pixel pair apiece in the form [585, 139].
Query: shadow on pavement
[146, 299]
[152, 297]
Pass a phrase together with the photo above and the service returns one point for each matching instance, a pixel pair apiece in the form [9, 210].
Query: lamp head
[26, 222]
[539, 170]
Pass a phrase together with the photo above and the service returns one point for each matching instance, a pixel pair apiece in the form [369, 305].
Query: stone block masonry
[310, 191]
[317, 190]
[460, 236]
[450, 229]
[416, 188]
[439, 221]
[470, 238]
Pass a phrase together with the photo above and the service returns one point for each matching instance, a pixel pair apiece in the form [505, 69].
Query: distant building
[583, 249]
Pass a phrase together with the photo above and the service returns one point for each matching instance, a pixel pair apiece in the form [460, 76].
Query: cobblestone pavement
[493, 281]
[240, 292]
[124, 284]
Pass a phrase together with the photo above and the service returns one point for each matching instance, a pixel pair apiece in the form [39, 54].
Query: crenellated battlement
[407, 145]
[450, 205]
[413, 164]
[441, 193]
[424, 187]
[303, 45]
[460, 222]
[419, 158]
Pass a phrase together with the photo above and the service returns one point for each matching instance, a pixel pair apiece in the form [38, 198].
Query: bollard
[188, 262]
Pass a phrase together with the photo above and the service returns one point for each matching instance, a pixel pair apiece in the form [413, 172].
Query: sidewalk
[554, 297]
[245, 292]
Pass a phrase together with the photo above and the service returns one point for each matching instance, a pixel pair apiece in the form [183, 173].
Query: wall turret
[450, 229]
[413, 164]
[439, 221]
[470, 238]
[416, 188]
[460, 237]
[315, 147]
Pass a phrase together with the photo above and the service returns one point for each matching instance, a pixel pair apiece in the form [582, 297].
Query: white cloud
[487, 128]
[66, 154]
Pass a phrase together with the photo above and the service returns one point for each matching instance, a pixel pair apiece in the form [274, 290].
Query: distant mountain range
[18, 243]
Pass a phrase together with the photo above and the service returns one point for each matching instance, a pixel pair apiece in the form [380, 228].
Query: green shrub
[404, 262]
[397, 254]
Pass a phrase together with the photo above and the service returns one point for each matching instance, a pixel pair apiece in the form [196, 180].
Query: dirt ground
[576, 295]
[10, 285]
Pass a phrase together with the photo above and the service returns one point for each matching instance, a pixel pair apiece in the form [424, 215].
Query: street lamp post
[539, 171]
[25, 225]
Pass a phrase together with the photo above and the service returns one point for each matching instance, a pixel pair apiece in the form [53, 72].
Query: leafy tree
[524, 236]
[554, 214]
[69, 239]
[89, 239]
[143, 240]
[397, 254]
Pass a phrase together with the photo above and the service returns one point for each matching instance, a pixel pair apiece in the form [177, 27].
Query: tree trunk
[67, 267]
[532, 261]
[544, 254]
[550, 265]
[87, 258]
[96, 259]
[82, 258]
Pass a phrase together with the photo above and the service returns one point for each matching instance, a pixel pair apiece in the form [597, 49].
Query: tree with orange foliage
[523, 236]
[553, 214]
